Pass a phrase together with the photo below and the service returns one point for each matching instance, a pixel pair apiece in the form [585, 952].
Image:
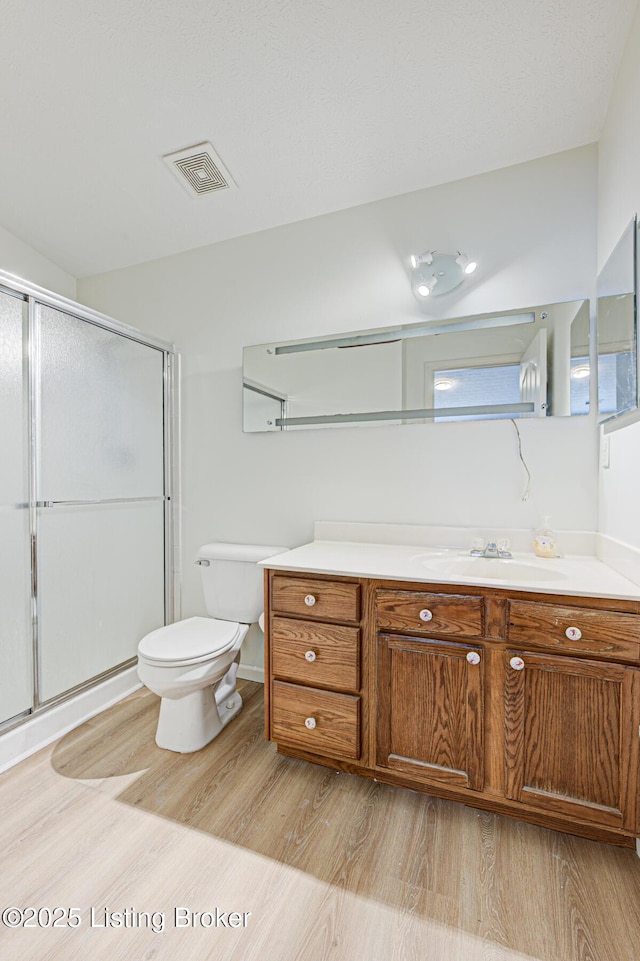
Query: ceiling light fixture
[426, 285]
[466, 265]
[417, 260]
[443, 383]
[437, 273]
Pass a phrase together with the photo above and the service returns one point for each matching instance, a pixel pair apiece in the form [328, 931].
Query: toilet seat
[191, 641]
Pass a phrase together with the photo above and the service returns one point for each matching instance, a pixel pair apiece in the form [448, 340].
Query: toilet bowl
[192, 664]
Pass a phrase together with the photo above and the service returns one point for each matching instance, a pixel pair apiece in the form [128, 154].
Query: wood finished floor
[331, 866]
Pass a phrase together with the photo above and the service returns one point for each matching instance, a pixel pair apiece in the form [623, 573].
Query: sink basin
[488, 568]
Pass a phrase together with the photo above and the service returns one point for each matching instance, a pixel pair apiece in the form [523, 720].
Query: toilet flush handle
[203, 562]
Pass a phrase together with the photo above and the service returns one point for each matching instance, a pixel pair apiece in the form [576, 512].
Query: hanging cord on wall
[527, 490]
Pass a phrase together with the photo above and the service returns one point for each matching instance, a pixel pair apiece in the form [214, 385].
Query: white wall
[532, 228]
[18, 258]
[618, 201]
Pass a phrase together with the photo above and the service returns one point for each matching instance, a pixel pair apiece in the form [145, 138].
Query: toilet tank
[232, 583]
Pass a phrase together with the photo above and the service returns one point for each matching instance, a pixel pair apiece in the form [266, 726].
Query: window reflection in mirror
[617, 328]
[472, 386]
[533, 362]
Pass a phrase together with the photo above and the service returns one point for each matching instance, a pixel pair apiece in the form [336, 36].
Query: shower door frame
[33, 295]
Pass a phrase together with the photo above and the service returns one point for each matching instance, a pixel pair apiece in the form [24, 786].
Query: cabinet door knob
[573, 633]
[517, 663]
[310, 723]
[473, 657]
[309, 600]
[426, 615]
[310, 655]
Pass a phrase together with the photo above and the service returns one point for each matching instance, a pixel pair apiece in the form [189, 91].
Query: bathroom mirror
[530, 362]
[618, 327]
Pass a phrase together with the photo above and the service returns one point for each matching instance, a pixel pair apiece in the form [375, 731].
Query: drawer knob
[517, 663]
[426, 615]
[473, 657]
[573, 633]
[310, 723]
[309, 600]
[310, 655]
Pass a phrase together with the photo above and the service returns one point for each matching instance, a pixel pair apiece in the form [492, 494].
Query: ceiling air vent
[199, 169]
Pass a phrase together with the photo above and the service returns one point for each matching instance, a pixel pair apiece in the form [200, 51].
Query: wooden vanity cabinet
[519, 703]
[572, 710]
[430, 721]
[571, 737]
[430, 688]
[313, 658]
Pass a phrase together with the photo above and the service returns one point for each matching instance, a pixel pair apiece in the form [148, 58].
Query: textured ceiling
[312, 106]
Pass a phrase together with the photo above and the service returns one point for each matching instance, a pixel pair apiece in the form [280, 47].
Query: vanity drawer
[324, 655]
[325, 600]
[430, 613]
[322, 722]
[574, 629]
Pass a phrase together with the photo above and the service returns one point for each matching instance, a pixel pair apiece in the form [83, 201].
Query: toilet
[192, 664]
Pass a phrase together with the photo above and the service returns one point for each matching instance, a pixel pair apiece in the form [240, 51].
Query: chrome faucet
[493, 550]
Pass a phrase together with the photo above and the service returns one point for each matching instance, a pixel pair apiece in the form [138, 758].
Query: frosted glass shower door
[100, 535]
[16, 641]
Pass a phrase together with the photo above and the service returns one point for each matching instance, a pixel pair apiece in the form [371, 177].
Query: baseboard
[251, 673]
[42, 729]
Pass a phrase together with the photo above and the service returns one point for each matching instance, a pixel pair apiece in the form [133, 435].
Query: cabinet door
[430, 709]
[571, 729]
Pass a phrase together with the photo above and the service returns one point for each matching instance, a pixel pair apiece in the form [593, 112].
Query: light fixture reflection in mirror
[501, 364]
[580, 372]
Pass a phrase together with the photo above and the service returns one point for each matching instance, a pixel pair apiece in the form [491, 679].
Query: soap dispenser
[544, 544]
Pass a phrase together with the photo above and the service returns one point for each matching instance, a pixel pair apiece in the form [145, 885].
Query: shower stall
[86, 539]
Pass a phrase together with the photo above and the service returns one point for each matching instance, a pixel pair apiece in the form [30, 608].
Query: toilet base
[188, 723]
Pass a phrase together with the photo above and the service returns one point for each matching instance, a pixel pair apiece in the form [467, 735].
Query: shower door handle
[105, 500]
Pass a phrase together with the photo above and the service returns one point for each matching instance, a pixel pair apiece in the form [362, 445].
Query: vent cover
[199, 169]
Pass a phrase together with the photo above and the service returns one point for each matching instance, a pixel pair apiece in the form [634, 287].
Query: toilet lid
[195, 638]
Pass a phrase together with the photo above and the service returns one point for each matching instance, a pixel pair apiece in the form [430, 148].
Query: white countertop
[574, 574]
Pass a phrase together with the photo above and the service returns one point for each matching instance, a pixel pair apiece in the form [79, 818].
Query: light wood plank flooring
[329, 865]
